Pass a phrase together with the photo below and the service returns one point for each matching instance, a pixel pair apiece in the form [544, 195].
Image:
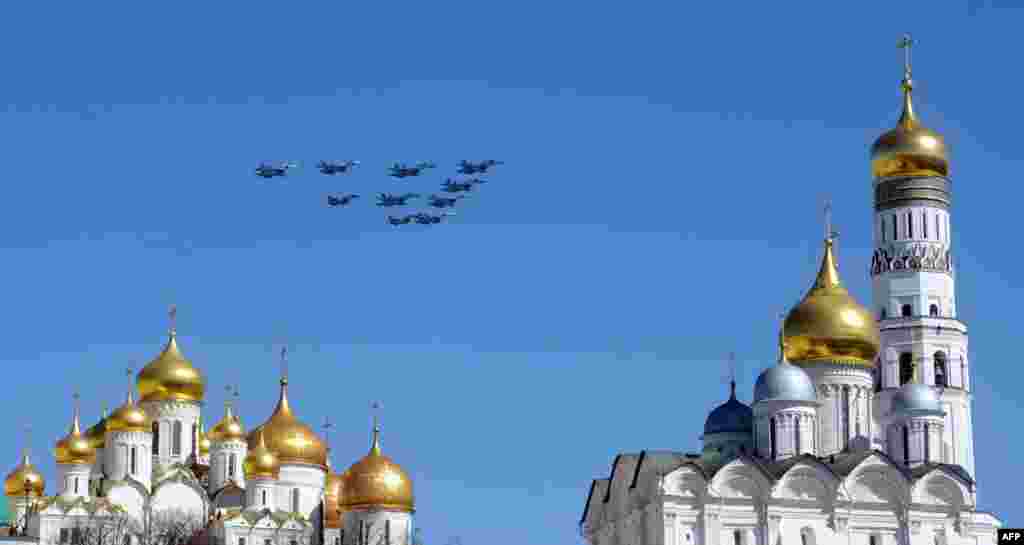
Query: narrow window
[241, 541]
[882, 313]
[906, 368]
[195, 439]
[906, 311]
[803, 539]
[910, 224]
[176, 438]
[796, 437]
[76, 536]
[64, 535]
[895, 228]
[263, 495]
[293, 542]
[771, 436]
[906, 445]
[926, 446]
[938, 228]
[940, 369]
[156, 438]
[845, 418]
[76, 485]
[231, 465]
[134, 468]
[127, 540]
[267, 542]
[924, 224]
[337, 541]
[295, 500]
[883, 228]
[873, 540]
[737, 537]
[933, 310]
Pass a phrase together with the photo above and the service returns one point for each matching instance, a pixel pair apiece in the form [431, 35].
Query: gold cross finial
[284, 364]
[327, 431]
[732, 375]
[376, 411]
[830, 233]
[173, 314]
[28, 440]
[906, 43]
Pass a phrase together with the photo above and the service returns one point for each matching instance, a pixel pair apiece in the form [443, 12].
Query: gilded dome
[204, 440]
[909, 149]
[229, 428]
[97, 432]
[129, 417]
[24, 476]
[171, 376]
[828, 325]
[375, 481]
[260, 462]
[290, 439]
[332, 498]
[75, 448]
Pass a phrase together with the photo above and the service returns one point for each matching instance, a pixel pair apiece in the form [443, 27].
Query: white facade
[127, 455]
[175, 430]
[74, 479]
[382, 526]
[226, 458]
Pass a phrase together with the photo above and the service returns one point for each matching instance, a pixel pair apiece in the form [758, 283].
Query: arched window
[263, 497]
[231, 465]
[127, 540]
[940, 369]
[873, 540]
[737, 537]
[76, 485]
[845, 422]
[807, 536]
[134, 461]
[910, 225]
[882, 313]
[906, 311]
[906, 445]
[195, 439]
[938, 227]
[924, 224]
[883, 229]
[895, 228]
[771, 436]
[906, 368]
[176, 438]
[933, 310]
[926, 441]
[156, 438]
[295, 500]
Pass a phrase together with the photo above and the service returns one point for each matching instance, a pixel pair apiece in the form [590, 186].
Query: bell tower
[914, 281]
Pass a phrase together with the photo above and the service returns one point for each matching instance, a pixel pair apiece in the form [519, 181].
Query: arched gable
[876, 479]
[177, 493]
[230, 495]
[131, 495]
[688, 481]
[943, 487]
[808, 479]
[741, 478]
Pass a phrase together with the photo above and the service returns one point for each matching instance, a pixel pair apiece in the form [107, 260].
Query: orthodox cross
[284, 363]
[28, 437]
[327, 431]
[173, 314]
[227, 397]
[732, 374]
[905, 43]
[76, 397]
[128, 374]
[376, 411]
[830, 233]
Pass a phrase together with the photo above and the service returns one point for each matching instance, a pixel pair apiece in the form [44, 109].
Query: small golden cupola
[170, 376]
[910, 148]
[204, 440]
[75, 447]
[289, 438]
[24, 480]
[376, 482]
[129, 417]
[261, 462]
[229, 428]
[828, 325]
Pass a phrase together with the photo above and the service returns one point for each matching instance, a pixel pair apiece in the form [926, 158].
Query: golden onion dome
[261, 462]
[171, 376]
[129, 417]
[828, 325]
[376, 482]
[909, 149]
[24, 480]
[229, 428]
[332, 498]
[75, 448]
[97, 432]
[204, 440]
[290, 439]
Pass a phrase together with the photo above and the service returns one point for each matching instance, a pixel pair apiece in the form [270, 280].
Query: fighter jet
[451, 186]
[332, 167]
[267, 170]
[469, 167]
[444, 202]
[404, 220]
[401, 170]
[387, 199]
[343, 200]
[423, 218]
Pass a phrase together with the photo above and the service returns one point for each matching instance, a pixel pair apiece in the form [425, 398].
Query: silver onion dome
[915, 398]
[784, 382]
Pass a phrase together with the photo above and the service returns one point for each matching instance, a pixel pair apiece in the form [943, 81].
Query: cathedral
[861, 434]
[152, 457]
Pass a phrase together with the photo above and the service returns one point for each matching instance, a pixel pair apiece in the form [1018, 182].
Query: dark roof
[731, 416]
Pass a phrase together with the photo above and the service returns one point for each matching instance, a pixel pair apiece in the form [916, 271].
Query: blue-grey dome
[733, 416]
[913, 397]
[784, 382]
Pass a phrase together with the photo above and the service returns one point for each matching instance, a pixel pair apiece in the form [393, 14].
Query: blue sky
[660, 206]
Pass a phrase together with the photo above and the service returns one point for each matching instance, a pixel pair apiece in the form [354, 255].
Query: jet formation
[453, 189]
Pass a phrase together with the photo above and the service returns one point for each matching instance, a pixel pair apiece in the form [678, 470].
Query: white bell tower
[914, 281]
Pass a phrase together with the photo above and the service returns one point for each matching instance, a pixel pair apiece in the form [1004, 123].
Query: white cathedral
[861, 434]
[271, 486]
